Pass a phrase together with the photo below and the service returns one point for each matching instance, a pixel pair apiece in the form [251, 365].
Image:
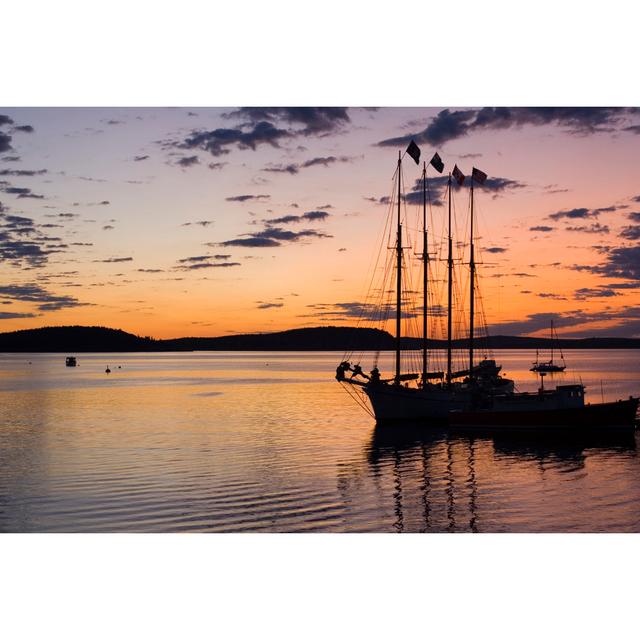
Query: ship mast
[425, 260]
[449, 290]
[472, 275]
[399, 277]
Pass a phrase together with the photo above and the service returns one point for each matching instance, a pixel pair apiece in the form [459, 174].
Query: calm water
[270, 442]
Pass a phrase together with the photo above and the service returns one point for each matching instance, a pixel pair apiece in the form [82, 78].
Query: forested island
[78, 339]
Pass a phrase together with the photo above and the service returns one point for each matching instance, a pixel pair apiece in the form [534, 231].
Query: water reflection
[221, 442]
[443, 481]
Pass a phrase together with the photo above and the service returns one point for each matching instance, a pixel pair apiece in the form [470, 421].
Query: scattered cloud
[20, 192]
[220, 260]
[250, 242]
[596, 227]
[201, 223]
[22, 244]
[5, 142]
[532, 323]
[45, 300]
[579, 213]
[10, 315]
[187, 161]
[585, 293]
[358, 310]
[552, 296]
[541, 227]
[245, 198]
[437, 187]
[311, 121]
[273, 237]
[451, 124]
[294, 168]
[207, 265]
[309, 216]
[218, 141]
[22, 172]
[631, 232]
[620, 262]
[265, 126]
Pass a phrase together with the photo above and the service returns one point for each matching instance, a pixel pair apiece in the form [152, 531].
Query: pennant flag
[458, 175]
[478, 176]
[414, 151]
[436, 163]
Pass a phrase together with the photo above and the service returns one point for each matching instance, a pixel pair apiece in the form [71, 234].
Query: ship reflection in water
[438, 478]
[221, 442]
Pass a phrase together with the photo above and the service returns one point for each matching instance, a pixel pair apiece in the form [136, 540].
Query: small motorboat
[71, 361]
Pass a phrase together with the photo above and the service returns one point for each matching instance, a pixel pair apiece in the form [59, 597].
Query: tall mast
[551, 339]
[399, 278]
[425, 260]
[472, 275]
[450, 283]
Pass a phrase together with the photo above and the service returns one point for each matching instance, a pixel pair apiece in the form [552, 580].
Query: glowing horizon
[202, 222]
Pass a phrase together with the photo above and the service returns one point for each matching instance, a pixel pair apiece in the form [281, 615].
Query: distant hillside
[73, 340]
[78, 339]
[311, 339]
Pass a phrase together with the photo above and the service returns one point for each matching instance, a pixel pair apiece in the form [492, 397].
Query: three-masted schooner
[477, 396]
[429, 395]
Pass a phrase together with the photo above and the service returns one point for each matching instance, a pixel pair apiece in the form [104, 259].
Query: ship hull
[400, 404]
[607, 415]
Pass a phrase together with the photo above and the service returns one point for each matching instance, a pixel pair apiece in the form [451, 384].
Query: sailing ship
[478, 396]
[428, 395]
[549, 366]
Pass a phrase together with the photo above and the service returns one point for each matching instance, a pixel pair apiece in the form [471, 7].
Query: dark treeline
[76, 339]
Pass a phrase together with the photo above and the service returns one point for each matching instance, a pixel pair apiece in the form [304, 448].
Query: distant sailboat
[549, 366]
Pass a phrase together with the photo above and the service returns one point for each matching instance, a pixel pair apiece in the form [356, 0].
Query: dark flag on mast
[478, 176]
[436, 163]
[458, 175]
[414, 151]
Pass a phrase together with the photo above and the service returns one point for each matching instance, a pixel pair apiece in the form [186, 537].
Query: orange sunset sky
[206, 221]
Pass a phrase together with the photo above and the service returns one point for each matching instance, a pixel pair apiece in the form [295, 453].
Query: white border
[319, 586]
[333, 53]
[338, 52]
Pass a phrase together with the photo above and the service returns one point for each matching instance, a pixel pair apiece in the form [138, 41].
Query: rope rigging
[379, 309]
